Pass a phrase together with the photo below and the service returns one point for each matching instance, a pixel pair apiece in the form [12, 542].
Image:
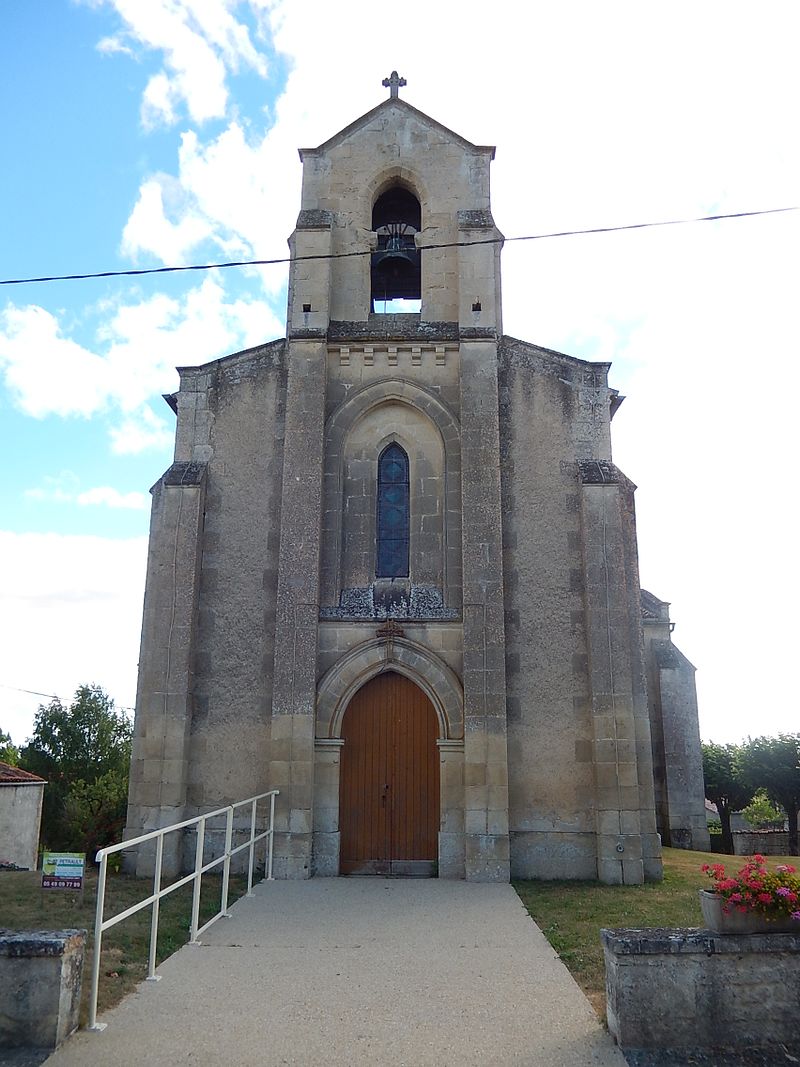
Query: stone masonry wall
[238, 578]
[203, 705]
[547, 423]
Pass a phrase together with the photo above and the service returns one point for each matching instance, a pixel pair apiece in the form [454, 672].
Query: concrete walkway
[358, 971]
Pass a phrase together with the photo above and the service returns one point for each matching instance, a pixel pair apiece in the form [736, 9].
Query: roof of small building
[16, 776]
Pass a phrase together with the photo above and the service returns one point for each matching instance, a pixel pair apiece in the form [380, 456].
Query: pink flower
[784, 868]
[796, 915]
[782, 891]
[765, 898]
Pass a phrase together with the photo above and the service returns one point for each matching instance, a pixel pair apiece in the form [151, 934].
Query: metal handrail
[100, 924]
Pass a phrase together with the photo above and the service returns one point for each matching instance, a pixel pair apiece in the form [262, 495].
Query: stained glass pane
[392, 516]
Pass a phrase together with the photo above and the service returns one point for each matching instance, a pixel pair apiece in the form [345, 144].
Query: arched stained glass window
[392, 517]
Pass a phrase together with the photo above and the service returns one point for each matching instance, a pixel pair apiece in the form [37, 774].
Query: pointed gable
[397, 113]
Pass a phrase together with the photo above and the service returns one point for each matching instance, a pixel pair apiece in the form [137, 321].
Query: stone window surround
[337, 427]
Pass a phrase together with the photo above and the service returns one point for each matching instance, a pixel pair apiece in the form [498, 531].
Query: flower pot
[739, 922]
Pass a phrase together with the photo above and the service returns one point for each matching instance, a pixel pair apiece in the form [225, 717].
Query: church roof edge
[402, 105]
[230, 355]
[554, 352]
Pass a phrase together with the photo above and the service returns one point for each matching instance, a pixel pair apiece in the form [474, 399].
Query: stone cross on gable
[393, 84]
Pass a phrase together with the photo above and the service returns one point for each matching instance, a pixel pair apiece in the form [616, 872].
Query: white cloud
[201, 43]
[139, 432]
[151, 229]
[47, 372]
[71, 614]
[64, 488]
[107, 496]
[137, 350]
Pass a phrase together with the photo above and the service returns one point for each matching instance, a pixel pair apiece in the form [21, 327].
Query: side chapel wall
[566, 707]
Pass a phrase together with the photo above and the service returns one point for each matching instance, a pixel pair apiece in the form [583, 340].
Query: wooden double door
[389, 781]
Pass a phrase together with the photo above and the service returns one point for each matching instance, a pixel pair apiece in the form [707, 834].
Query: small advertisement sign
[63, 870]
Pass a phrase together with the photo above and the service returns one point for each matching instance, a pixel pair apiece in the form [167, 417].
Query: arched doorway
[389, 781]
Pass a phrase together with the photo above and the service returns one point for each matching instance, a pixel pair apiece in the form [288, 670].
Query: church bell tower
[391, 510]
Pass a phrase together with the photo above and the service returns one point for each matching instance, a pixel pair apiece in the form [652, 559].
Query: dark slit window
[392, 518]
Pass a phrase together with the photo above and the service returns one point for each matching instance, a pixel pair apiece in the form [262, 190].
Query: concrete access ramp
[358, 971]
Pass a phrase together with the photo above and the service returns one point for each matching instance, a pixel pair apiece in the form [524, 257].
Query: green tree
[761, 814]
[773, 763]
[9, 753]
[84, 753]
[725, 785]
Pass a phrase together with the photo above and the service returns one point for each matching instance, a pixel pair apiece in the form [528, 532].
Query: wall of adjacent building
[20, 817]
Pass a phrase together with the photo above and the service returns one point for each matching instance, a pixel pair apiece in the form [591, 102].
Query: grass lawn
[571, 914]
[25, 906]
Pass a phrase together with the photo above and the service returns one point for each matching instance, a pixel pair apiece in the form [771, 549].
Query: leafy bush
[83, 752]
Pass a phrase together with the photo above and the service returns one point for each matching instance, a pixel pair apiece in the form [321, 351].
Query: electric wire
[54, 696]
[368, 251]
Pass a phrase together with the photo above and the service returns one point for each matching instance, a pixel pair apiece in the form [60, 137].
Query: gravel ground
[351, 971]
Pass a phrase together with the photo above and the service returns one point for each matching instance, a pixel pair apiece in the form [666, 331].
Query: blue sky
[162, 132]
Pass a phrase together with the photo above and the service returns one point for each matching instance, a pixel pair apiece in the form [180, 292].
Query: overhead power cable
[54, 696]
[368, 251]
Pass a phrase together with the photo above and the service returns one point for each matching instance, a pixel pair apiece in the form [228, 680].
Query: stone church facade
[393, 568]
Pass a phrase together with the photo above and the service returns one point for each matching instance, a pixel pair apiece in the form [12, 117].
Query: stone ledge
[402, 327]
[674, 941]
[185, 473]
[28, 943]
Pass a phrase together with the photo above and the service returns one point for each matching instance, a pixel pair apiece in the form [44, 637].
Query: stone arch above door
[439, 683]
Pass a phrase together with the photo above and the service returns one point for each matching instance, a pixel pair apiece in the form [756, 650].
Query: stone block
[40, 987]
[553, 855]
[684, 991]
[300, 821]
[609, 870]
[325, 857]
[451, 855]
[486, 857]
[608, 822]
[475, 820]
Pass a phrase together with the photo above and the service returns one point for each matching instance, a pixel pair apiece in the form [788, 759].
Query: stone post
[40, 989]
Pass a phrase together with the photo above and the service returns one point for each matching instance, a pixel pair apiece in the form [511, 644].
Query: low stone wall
[40, 986]
[767, 842]
[684, 990]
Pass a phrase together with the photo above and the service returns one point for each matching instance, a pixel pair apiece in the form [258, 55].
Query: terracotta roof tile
[16, 776]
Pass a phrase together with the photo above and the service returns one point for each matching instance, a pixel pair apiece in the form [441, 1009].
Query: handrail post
[226, 866]
[271, 835]
[251, 853]
[98, 942]
[198, 864]
[151, 967]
